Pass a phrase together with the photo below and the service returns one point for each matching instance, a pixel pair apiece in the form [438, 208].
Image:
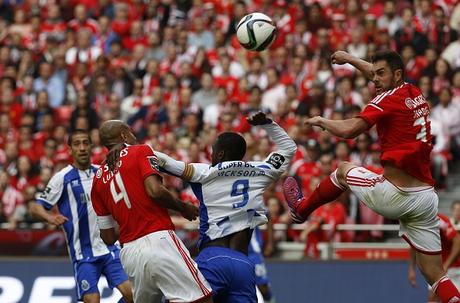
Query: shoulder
[63, 173]
[390, 94]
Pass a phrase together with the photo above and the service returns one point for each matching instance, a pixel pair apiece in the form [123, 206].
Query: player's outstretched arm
[454, 252]
[346, 129]
[411, 277]
[157, 191]
[342, 57]
[38, 211]
[286, 147]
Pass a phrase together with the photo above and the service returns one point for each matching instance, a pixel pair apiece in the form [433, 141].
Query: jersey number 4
[240, 188]
[119, 195]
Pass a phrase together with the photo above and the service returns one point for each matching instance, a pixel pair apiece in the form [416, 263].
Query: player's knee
[265, 291]
[126, 290]
[342, 170]
[91, 298]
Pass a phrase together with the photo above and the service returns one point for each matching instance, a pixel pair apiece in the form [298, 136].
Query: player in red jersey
[405, 190]
[450, 244]
[133, 196]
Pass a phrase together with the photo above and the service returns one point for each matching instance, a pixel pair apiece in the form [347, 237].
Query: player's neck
[81, 166]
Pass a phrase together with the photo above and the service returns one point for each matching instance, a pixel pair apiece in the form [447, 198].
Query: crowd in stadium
[175, 72]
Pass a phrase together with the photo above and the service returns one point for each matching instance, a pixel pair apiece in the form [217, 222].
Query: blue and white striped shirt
[70, 190]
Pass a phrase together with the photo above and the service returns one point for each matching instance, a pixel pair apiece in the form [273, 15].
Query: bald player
[133, 196]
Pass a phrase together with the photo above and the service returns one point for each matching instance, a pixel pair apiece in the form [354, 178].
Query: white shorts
[416, 208]
[159, 264]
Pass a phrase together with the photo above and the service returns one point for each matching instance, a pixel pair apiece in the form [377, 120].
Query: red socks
[446, 290]
[327, 191]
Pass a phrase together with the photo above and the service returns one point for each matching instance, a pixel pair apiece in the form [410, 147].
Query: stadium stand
[174, 71]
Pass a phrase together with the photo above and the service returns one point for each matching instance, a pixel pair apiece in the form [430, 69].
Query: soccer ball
[256, 32]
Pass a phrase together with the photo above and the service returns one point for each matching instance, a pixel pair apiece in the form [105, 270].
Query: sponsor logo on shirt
[276, 160]
[416, 102]
[154, 162]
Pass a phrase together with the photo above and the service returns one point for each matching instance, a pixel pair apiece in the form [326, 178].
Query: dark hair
[77, 131]
[392, 58]
[232, 144]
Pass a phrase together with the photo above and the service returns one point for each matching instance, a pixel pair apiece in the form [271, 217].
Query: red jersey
[401, 117]
[122, 194]
[447, 232]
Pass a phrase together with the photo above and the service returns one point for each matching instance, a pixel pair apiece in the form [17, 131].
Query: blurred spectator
[49, 81]
[70, 65]
[449, 115]
[207, 94]
[455, 211]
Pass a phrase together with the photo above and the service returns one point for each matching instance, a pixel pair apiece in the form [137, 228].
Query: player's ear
[399, 75]
[221, 155]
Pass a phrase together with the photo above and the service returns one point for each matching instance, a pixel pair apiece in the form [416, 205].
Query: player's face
[129, 137]
[80, 148]
[384, 78]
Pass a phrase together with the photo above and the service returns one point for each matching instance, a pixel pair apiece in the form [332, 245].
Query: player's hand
[315, 121]
[190, 211]
[113, 156]
[412, 277]
[259, 118]
[269, 250]
[340, 57]
[57, 219]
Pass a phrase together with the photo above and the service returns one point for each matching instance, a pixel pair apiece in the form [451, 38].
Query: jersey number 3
[421, 135]
[121, 195]
[240, 188]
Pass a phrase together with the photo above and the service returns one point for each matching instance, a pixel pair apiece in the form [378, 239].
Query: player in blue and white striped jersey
[70, 191]
[231, 206]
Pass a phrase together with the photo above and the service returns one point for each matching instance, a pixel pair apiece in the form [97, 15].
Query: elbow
[348, 134]
[108, 238]
[155, 192]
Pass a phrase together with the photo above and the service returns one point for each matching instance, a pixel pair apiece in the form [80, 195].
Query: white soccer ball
[256, 32]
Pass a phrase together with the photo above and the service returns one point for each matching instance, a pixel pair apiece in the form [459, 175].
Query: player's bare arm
[411, 270]
[109, 236]
[346, 129]
[157, 191]
[342, 57]
[40, 212]
[454, 252]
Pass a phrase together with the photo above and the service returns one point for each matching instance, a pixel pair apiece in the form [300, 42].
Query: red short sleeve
[372, 114]
[97, 202]
[148, 162]
[446, 228]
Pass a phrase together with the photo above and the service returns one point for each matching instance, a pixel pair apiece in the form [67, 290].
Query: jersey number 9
[240, 188]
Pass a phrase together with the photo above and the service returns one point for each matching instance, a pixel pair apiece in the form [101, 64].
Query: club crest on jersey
[99, 173]
[84, 285]
[276, 160]
[414, 103]
[154, 162]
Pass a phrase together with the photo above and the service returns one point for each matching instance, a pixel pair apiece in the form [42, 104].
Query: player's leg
[116, 276]
[442, 286]
[419, 226]
[87, 276]
[262, 282]
[175, 271]
[328, 190]
[136, 258]
[92, 298]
